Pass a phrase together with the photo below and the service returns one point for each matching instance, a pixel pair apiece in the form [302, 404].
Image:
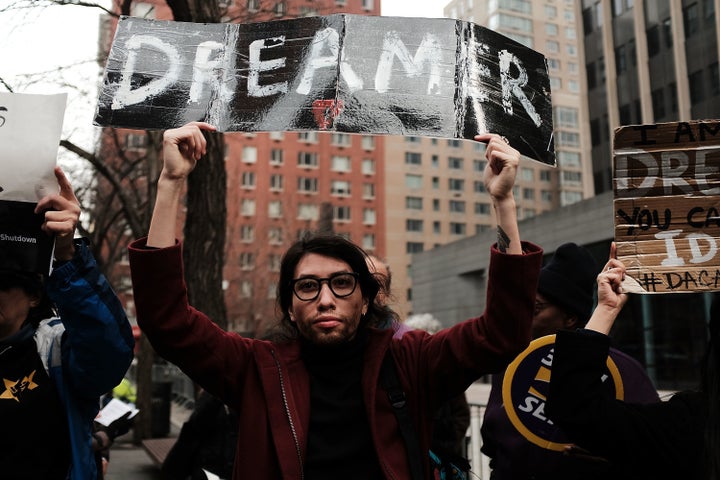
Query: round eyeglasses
[341, 284]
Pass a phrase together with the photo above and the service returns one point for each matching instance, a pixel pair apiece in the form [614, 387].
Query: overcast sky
[38, 41]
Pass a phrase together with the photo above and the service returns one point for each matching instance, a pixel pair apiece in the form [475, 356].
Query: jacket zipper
[289, 417]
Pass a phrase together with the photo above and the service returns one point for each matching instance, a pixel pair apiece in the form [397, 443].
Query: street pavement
[131, 462]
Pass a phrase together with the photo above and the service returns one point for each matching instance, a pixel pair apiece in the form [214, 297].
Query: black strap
[391, 384]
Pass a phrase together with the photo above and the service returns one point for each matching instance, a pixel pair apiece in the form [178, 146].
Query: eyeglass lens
[341, 285]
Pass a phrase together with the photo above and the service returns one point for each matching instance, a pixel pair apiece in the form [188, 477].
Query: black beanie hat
[568, 280]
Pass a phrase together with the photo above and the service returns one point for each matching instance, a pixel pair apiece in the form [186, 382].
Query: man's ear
[570, 322]
[365, 306]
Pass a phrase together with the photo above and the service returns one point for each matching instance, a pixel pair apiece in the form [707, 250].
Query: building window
[340, 163]
[276, 156]
[550, 11]
[275, 209]
[414, 203]
[248, 180]
[308, 137]
[247, 233]
[341, 213]
[274, 261]
[368, 166]
[247, 261]
[568, 198]
[545, 176]
[368, 142]
[454, 143]
[658, 103]
[436, 204]
[247, 207]
[435, 161]
[546, 196]
[308, 211]
[691, 19]
[590, 74]
[413, 225]
[276, 135]
[275, 236]
[246, 289]
[571, 177]
[340, 188]
[413, 247]
[456, 184]
[553, 63]
[458, 228]
[437, 229]
[280, 9]
[368, 190]
[527, 174]
[249, 154]
[369, 217]
[478, 186]
[479, 165]
[368, 241]
[413, 181]
[697, 92]
[551, 46]
[620, 61]
[455, 163]
[482, 208]
[568, 139]
[413, 158]
[307, 184]
[529, 194]
[653, 41]
[307, 159]
[412, 139]
[570, 33]
[566, 117]
[672, 92]
[457, 206]
[568, 159]
[135, 141]
[573, 86]
[551, 29]
[341, 139]
[714, 79]
[276, 182]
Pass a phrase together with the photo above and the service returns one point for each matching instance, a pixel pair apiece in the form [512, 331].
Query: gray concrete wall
[450, 281]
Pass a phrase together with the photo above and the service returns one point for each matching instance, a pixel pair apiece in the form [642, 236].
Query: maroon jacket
[269, 387]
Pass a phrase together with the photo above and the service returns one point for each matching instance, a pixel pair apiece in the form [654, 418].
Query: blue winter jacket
[86, 353]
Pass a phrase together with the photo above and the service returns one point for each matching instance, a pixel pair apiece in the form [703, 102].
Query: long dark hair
[333, 246]
[711, 389]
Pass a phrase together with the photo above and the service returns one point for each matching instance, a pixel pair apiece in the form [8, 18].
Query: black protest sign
[525, 389]
[345, 73]
[24, 246]
[667, 205]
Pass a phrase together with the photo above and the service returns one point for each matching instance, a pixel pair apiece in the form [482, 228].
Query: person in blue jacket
[64, 341]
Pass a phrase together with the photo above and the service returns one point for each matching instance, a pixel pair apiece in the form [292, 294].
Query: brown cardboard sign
[667, 206]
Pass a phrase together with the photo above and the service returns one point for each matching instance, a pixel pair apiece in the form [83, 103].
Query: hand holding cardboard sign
[62, 213]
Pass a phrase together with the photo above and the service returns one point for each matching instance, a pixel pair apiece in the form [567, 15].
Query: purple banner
[346, 73]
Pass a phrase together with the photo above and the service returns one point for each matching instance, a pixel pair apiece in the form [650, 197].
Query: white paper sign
[30, 128]
[114, 410]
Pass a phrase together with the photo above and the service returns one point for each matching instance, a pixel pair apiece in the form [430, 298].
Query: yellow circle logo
[525, 388]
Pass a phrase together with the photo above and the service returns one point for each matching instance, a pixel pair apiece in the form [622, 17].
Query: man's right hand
[182, 148]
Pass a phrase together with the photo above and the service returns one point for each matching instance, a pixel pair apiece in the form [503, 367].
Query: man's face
[326, 320]
[549, 318]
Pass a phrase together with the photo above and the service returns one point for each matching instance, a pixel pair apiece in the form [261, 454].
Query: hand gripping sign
[525, 388]
[343, 73]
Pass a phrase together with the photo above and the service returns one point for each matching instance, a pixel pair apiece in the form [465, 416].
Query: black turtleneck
[339, 440]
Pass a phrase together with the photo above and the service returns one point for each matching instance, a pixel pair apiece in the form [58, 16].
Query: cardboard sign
[667, 206]
[30, 127]
[525, 389]
[344, 73]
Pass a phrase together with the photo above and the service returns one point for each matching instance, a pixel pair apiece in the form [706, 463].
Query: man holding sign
[309, 404]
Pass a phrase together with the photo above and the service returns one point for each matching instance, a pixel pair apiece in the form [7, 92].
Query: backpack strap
[391, 384]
